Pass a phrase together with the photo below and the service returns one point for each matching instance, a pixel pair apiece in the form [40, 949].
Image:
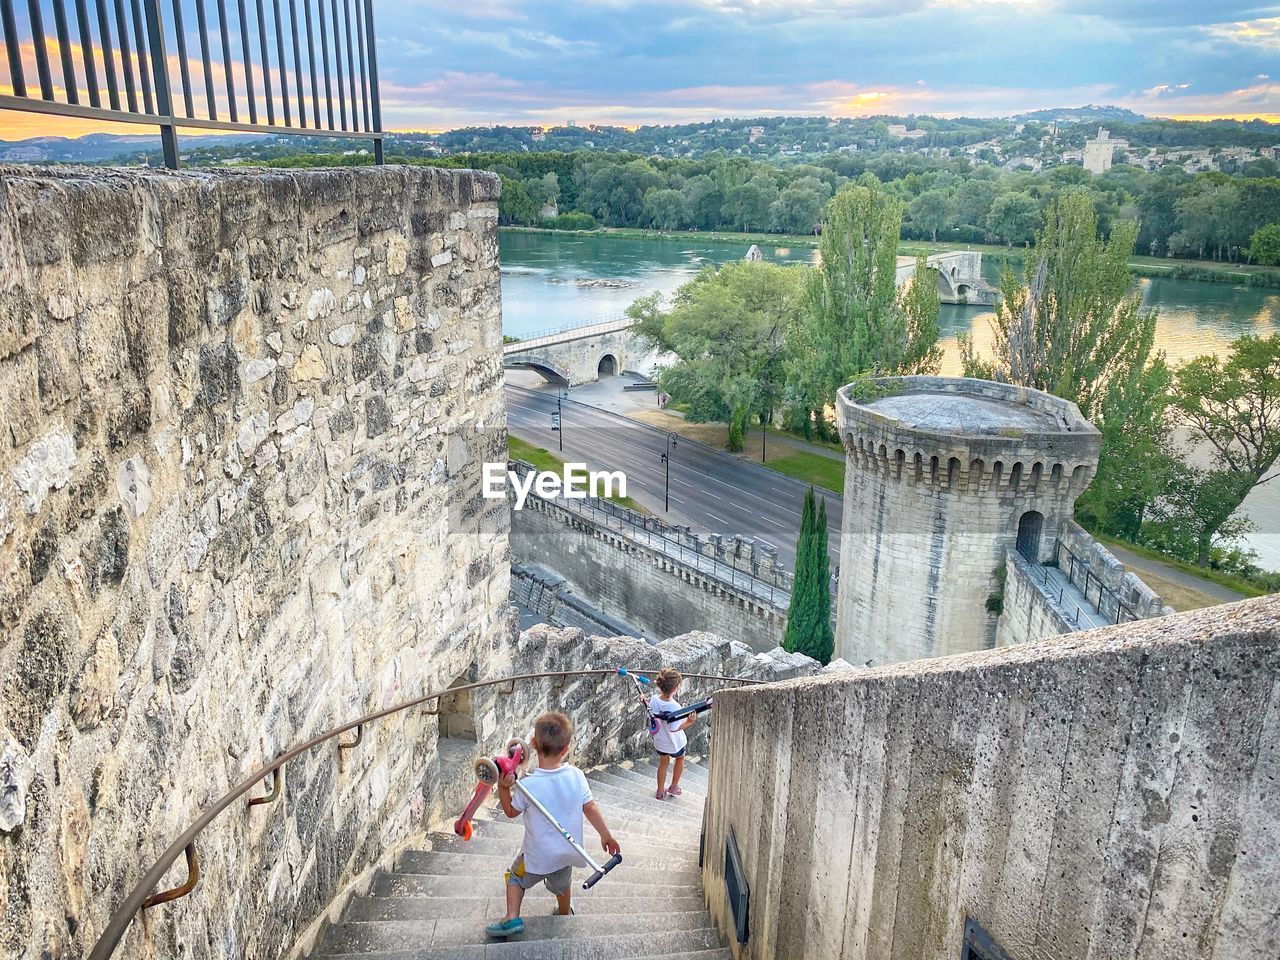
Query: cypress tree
[808, 618]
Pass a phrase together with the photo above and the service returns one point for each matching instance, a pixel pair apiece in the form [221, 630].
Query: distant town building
[900, 130]
[1099, 152]
[754, 134]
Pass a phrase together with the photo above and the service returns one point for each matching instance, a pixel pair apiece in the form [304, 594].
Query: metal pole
[160, 76]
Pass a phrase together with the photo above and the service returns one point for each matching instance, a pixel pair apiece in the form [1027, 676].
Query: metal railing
[609, 324]
[140, 897]
[774, 589]
[126, 50]
[1108, 603]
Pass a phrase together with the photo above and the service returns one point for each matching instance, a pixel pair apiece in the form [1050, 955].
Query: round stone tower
[942, 476]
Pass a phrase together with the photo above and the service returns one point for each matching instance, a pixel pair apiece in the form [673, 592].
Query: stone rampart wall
[1094, 564]
[1108, 793]
[629, 578]
[242, 417]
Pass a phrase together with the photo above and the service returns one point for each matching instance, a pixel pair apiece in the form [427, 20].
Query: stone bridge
[586, 352]
[574, 355]
[959, 276]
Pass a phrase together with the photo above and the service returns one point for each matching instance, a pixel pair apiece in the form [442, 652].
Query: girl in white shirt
[669, 739]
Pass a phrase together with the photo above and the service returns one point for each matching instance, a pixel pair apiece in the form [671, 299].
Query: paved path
[710, 490]
[1140, 565]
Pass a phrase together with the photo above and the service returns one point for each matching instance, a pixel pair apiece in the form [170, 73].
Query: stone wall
[1109, 793]
[242, 417]
[631, 579]
[1088, 564]
[1029, 612]
[608, 722]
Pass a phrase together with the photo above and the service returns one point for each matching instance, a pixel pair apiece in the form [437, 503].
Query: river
[551, 280]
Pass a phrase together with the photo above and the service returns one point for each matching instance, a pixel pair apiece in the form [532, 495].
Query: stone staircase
[435, 903]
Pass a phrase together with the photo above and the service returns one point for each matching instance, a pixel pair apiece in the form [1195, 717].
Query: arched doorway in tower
[608, 366]
[1030, 526]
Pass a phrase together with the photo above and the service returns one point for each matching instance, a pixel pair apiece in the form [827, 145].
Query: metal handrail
[139, 43]
[530, 340]
[620, 519]
[140, 898]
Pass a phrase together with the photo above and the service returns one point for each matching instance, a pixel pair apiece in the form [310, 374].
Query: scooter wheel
[466, 830]
[486, 771]
[525, 752]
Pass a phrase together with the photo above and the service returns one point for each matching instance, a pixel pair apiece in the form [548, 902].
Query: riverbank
[1206, 271]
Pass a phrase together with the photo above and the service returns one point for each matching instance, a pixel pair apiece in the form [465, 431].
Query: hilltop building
[1099, 153]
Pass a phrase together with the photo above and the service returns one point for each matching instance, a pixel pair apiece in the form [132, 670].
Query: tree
[1264, 245]
[515, 205]
[1138, 465]
[1233, 408]
[798, 209]
[809, 614]
[724, 326]
[664, 208]
[931, 211]
[1013, 217]
[854, 320]
[1071, 324]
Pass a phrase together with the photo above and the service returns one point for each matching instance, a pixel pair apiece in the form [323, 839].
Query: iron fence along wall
[258, 66]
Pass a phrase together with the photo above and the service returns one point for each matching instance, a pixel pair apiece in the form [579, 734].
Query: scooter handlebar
[624, 672]
[596, 877]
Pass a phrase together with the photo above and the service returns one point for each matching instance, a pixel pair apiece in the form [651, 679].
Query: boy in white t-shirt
[669, 739]
[545, 856]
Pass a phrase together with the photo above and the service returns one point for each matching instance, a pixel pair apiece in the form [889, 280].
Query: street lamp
[557, 418]
[666, 463]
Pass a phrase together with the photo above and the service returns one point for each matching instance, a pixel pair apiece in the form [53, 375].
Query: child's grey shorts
[558, 882]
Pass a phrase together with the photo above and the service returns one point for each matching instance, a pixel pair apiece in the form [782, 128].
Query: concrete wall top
[1102, 793]
[936, 415]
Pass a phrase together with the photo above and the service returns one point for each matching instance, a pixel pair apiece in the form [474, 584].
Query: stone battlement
[957, 433]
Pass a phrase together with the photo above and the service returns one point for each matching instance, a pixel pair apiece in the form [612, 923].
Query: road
[710, 490]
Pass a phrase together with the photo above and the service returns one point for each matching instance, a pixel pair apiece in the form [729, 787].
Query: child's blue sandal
[506, 928]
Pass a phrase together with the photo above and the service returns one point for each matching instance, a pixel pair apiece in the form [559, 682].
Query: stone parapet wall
[1089, 564]
[1009, 460]
[608, 721]
[1106, 793]
[642, 582]
[242, 417]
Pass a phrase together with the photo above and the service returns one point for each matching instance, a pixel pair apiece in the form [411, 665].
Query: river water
[551, 281]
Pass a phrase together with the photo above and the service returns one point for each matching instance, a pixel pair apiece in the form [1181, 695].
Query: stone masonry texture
[1110, 793]
[242, 418]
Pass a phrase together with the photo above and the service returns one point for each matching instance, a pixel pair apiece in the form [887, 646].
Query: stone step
[616, 884]
[693, 789]
[623, 819]
[681, 946]
[645, 814]
[387, 935]
[622, 822]
[461, 864]
[608, 787]
[373, 909]
[691, 768]
[637, 854]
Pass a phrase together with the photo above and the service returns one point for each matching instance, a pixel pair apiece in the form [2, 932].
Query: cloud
[1252, 33]
[1165, 89]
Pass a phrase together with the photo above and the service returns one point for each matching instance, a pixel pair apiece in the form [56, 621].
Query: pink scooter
[489, 771]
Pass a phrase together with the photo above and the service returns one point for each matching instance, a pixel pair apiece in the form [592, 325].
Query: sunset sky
[449, 64]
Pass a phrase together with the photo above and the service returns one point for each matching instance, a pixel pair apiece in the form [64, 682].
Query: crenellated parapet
[961, 434]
